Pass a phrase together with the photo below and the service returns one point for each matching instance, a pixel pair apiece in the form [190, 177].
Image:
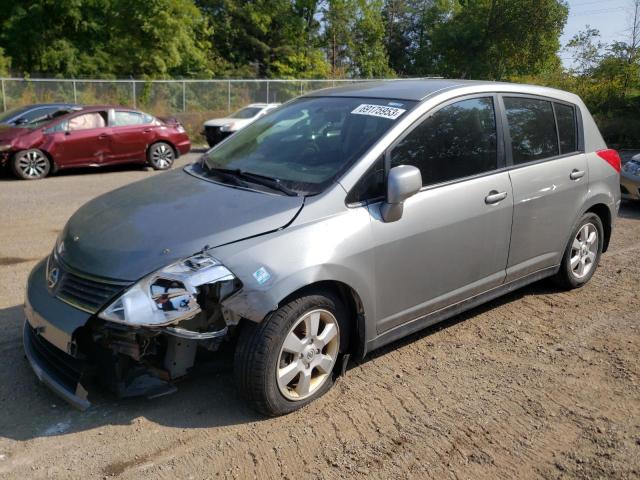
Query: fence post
[229, 96]
[267, 91]
[133, 92]
[75, 93]
[4, 98]
[184, 96]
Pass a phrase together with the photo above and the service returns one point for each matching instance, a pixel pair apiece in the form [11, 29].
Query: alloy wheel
[308, 354]
[584, 250]
[162, 156]
[32, 164]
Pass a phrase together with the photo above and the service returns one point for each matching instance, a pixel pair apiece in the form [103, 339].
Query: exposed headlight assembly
[168, 295]
[4, 148]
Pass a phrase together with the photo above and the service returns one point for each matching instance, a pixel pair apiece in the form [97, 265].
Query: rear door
[84, 139]
[452, 241]
[549, 178]
[131, 133]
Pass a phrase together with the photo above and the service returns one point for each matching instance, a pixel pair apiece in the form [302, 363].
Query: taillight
[611, 157]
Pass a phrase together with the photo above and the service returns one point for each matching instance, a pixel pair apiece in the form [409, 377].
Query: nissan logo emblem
[53, 277]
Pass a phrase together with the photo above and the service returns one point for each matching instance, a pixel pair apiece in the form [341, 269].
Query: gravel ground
[538, 384]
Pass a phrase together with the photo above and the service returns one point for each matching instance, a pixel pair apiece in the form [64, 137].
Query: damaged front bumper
[74, 351]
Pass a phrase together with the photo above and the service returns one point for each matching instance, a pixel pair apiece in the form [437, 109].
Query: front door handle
[102, 137]
[576, 174]
[494, 197]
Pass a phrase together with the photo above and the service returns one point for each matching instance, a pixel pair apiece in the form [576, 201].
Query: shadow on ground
[630, 209]
[29, 410]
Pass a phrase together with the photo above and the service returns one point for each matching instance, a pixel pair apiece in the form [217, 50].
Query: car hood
[132, 231]
[7, 132]
[218, 122]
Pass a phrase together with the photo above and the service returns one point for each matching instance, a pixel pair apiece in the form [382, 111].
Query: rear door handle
[103, 136]
[576, 174]
[494, 197]
[146, 130]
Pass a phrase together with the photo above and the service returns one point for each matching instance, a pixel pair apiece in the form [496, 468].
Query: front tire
[582, 254]
[287, 360]
[161, 156]
[31, 164]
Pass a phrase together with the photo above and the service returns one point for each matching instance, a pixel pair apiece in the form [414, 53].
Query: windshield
[248, 112]
[307, 143]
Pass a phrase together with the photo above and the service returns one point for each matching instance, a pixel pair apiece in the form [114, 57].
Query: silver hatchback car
[341, 221]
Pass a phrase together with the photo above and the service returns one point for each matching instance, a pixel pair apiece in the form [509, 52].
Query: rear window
[567, 128]
[532, 127]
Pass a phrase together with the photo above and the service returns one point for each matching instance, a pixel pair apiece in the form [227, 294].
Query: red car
[91, 136]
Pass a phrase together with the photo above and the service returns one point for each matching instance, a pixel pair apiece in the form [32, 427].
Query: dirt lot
[540, 383]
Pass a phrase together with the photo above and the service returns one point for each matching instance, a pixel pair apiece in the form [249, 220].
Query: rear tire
[161, 156]
[582, 253]
[31, 164]
[280, 364]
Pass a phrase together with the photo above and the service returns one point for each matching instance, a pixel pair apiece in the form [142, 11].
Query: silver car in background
[630, 179]
[338, 223]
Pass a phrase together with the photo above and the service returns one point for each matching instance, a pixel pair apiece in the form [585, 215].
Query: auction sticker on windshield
[378, 111]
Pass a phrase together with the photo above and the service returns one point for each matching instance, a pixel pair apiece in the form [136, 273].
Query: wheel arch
[353, 303]
[604, 213]
[176, 152]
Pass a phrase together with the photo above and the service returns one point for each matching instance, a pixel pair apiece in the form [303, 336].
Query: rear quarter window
[567, 127]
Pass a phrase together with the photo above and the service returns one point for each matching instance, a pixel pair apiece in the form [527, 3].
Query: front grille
[83, 291]
[214, 135]
[66, 369]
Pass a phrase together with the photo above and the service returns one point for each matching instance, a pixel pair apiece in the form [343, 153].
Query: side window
[370, 186]
[567, 128]
[33, 114]
[60, 127]
[532, 127]
[124, 118]
[87, 121]
[457, 141]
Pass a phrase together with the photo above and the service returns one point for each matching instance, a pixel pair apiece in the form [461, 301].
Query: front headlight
[168, 295]
[228, 127]
[4, 148]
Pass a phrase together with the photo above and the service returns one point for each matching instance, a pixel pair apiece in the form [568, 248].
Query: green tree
[105, 37]
[354, 38]
[491, 39]
[266, 38]
[5, 63]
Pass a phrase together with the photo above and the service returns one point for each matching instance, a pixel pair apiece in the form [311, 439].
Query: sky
[611, 17]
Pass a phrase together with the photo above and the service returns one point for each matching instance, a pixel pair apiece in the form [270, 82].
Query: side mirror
[403, 182]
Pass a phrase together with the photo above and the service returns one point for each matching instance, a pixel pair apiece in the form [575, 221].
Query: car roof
[261, 105]
[419, 89]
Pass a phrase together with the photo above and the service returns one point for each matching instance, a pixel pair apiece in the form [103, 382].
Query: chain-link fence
[157, 96]
[192, 101]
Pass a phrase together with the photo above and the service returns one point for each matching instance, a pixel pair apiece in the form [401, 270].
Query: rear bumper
[630, 186]
[184, 147]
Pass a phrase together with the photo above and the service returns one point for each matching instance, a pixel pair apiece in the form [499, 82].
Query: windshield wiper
[274, 183]
[227, 175]
[238, 174]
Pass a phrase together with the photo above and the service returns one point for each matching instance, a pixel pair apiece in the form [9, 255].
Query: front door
[85, 141]
[452, 241]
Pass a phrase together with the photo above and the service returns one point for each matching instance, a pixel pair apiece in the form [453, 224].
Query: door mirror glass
[403, 182]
